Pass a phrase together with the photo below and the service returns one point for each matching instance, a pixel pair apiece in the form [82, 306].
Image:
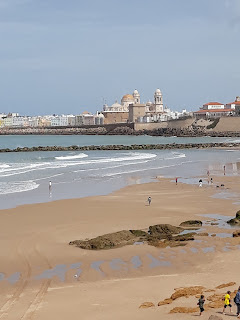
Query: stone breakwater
[126, 147]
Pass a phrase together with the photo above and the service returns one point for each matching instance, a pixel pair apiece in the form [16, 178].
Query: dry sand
[112, 283]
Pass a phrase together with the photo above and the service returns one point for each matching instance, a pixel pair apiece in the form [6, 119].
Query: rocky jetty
[125, 147]
[236, 220]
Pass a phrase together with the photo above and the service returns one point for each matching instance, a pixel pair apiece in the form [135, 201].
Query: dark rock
[106, 241]
[191, 223]
[164, 231]
[236, 220]
[236, 233]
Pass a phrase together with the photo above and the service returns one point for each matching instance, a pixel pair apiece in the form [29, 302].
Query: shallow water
[24, 177]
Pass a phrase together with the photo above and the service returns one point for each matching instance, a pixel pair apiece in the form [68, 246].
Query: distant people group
[227, 303]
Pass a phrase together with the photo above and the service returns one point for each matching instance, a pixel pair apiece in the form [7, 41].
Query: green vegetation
[213, 124]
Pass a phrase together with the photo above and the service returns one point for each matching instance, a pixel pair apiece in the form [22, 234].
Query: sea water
[25, 176]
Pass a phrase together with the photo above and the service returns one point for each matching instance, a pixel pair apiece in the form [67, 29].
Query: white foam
[20, 168]
[13, 187]
[77, 156]
[176, 155]
[4, 165]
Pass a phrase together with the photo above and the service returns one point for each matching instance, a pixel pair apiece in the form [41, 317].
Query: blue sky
[59, 56]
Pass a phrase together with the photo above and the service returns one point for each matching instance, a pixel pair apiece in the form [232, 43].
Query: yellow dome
[127, 97]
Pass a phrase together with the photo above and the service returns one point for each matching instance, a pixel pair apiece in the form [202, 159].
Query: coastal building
[234, 105]
[213, 110]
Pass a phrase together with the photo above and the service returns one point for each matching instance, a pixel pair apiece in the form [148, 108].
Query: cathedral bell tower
[158, 101]
[136, 97]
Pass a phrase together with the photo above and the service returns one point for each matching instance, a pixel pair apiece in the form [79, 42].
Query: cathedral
[117, 113]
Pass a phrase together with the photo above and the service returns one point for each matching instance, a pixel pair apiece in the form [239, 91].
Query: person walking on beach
[176, 180]
[224, 170]
[211, 180]
[201, 304]
[237, 301]
[149, 200]
[200, 183]
[227, 302]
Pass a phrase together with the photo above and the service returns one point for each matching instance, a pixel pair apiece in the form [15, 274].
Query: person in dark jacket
[201, 303]
[237, 301]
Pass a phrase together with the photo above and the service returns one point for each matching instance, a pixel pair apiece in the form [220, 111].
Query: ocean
[24, 177]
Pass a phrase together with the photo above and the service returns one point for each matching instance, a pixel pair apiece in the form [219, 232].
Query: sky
[63, 57]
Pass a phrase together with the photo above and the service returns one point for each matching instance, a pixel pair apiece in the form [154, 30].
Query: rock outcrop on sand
[164, 231]
[164, 302]
[107, 241]
[160, 235]
[146, 305]
[214, 300]
[191, 223]
[236, 220]
[187, 292]
[226, 285]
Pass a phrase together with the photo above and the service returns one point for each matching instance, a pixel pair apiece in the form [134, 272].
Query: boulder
[164, 231]
[214, 317]
[146, 305]
[236, 220]
[236, 233]
[203, 234]
[191, 223]
[187, 291]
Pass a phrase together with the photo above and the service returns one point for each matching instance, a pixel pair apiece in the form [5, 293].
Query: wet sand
[37, 265]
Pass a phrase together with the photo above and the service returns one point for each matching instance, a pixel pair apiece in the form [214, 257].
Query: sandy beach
[43, 277]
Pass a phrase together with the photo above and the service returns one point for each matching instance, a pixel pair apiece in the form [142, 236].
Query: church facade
[130, 108]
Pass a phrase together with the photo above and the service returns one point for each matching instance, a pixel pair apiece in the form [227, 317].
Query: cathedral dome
[127, 97]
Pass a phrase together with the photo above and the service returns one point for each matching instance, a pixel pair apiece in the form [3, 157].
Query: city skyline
[59, 57]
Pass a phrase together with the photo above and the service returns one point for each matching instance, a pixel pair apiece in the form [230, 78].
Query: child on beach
[200, 304]
[227, 302]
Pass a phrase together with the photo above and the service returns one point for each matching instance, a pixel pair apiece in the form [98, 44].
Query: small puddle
[226, 249]
[222, 235]
[194, 250]
[225, 194]
[183, 251]
[156, 263]
[117, 264]
[96, 266]
[59, 271]
[208, 249]
[221, 220]
[138, 243]
[136, 261]
[14, 277]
